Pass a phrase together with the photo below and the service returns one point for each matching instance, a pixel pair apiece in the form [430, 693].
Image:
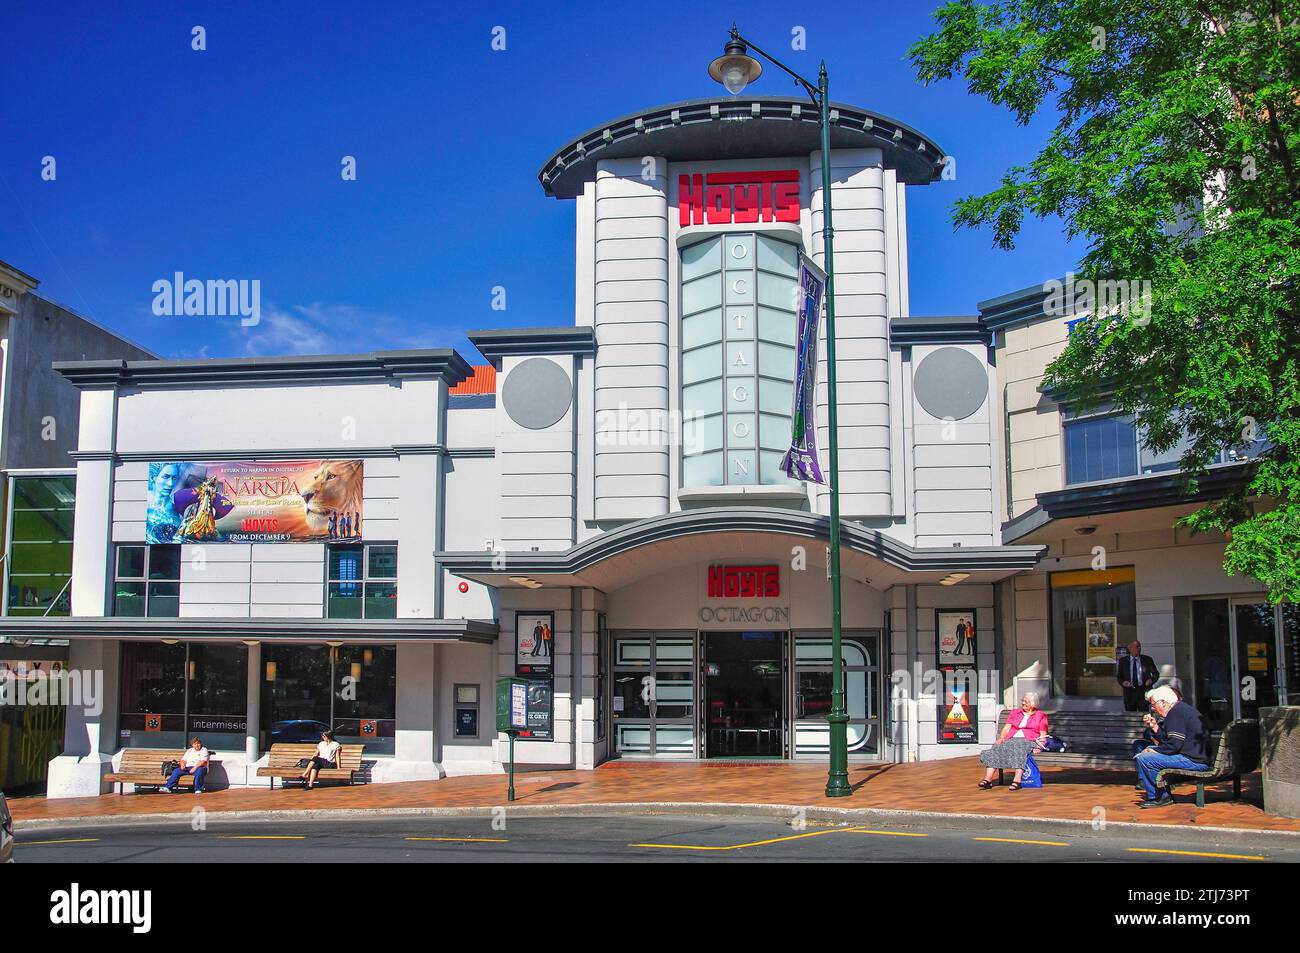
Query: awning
[481, 631]
[612, 560]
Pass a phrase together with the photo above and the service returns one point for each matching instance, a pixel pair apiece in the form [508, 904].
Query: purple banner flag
[800, 461]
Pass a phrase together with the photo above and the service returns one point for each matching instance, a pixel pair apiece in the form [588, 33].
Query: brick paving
[943, 786]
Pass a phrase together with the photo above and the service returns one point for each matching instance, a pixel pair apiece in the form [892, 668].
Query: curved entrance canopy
[614, 559]
[740, 127]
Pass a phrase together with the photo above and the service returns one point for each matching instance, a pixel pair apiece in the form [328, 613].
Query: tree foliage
[1175, 160]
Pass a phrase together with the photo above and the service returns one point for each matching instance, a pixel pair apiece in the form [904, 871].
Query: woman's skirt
[1011, 754]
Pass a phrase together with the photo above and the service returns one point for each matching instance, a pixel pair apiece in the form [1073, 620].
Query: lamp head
[735, 68]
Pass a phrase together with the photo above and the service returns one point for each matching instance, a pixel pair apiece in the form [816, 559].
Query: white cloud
[319, 328]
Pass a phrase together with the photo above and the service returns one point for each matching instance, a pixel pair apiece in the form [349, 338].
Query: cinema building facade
[599, 507]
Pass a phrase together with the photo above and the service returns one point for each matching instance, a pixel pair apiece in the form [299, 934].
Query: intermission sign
[252, 502]
[724, 198]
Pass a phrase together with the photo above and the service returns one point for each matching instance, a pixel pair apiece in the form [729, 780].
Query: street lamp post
[736, 69]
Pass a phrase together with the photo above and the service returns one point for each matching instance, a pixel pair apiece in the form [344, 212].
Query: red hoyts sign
[721, 198]
[744, 582]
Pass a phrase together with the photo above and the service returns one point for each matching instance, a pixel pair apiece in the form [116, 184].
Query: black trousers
[1135, 699]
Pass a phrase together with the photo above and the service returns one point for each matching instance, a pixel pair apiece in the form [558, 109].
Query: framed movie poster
[958, 718]
[534, 643]
[1100, 632]
[954, 637]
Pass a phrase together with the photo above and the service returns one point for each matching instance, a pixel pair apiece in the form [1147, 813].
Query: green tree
[1174, 160]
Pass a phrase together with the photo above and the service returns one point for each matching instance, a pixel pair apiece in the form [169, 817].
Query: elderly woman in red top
[1022, 735]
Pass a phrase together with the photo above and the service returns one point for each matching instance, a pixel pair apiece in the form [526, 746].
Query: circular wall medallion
[951, 383]
[537, 393]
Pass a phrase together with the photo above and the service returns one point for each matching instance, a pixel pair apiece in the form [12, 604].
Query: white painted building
[599, 506]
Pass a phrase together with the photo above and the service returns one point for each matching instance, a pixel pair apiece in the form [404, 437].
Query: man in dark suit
[1136, 673]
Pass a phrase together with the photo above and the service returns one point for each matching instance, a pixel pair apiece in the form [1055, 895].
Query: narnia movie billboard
[250, 502]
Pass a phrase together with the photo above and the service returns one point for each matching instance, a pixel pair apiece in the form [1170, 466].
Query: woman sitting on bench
[327, 756]
[1022, 735]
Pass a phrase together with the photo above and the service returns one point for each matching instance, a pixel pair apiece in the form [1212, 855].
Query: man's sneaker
[169, 790]
[1163, 801]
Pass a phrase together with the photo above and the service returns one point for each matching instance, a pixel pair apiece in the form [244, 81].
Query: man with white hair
[1181, 742]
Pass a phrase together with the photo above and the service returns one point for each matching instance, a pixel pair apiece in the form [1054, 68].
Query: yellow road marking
[464, 840]
[863, 830]
[69, 840]
[1013, 840]
[262, 837]
[1193, 853]
[757, 843]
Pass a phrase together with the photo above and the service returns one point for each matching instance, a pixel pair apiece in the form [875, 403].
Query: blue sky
[225, 163]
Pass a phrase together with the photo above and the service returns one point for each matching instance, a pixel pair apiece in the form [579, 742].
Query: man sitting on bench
[1181, 742]
[194, 761]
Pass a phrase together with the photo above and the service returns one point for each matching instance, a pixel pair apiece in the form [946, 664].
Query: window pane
[740, 323]
[345, 562]
[383, 562]
[1153, 462]
[775, 397]
[776, 360]
[40, 553]
[774, 432]
[701, 294]
[740, 358]
[778, 256]
[703, 469]
[1100, 448]
[739, 252]
[702, 328]
[738, 288]
[365, 696]
[381, 600]
[165, 599]
[344, 600]
[702, 364]
[218, 706]
[295, 682]
[152, 695]
[742, 467]
[128, 599]
[705, 398]
[130, 562]
[164, 562]
[769, 467]
[776, 292]
[701, 259]
[780, 327]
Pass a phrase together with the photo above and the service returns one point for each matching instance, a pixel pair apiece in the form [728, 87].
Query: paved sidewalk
[947, 787]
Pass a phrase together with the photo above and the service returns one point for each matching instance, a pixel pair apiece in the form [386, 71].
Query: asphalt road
[633, 839]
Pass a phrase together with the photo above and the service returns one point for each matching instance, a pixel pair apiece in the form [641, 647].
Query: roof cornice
[739, 127]
[960, 329]
[497, 343]
[443, 363]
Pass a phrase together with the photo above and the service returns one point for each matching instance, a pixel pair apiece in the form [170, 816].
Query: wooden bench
[143, 768]
[284, 759]
[1237, 754]
[1093, 739]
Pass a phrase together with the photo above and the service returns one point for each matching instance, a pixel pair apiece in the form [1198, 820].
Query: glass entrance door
[1238, 647]
[743, 689]
[1255, 635]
